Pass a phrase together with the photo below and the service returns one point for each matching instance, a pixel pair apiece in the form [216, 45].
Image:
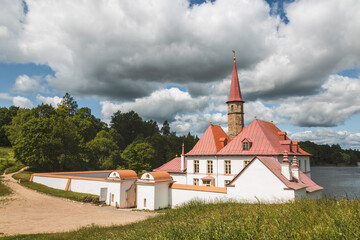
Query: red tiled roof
[172, 166]
[208, 177]
[274, 166]
[311, 186]
[210, 141]
[265, 140]
[235, 93]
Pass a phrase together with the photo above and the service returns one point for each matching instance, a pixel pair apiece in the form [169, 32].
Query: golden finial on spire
[255, 116]
[219, 124]
[211, 122]
[234, 54]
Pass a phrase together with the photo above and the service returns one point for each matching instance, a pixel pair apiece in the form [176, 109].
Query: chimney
[182, 158]
[295, 168]
[285, 167]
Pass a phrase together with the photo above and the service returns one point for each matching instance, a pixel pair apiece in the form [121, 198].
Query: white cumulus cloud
[161, 105]
[25, 84]
[53, 101]
[22, 102]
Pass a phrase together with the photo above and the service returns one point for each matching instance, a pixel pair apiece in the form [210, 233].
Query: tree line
[331, 155]
[69, 138]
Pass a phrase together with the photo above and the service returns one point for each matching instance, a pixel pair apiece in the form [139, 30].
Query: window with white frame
[227, 167]
[209, 166]
[196, 181]
[196, 166]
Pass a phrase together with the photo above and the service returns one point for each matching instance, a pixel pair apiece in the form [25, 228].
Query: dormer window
[246, 144]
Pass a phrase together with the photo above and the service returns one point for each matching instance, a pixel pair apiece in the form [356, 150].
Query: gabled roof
[210, 142]
[208, 177]
[265, 139]
[235, 93]
[274, 166]
[172, 166]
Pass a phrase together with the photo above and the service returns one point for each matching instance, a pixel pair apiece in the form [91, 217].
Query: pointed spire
[235, 93]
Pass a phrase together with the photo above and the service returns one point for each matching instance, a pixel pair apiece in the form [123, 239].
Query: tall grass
[305, 219]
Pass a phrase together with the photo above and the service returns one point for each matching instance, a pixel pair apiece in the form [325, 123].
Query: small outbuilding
[153, 190]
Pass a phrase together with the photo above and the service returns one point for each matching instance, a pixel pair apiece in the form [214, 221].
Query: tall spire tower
[235, 106]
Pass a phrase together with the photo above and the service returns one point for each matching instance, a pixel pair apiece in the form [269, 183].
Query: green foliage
[68, 138]
[6, 158]
[165, 129]
[131, 126]
[68, 105]
[50, 139]
[138, 156]
[103, 151]
[6, 115]
[330, 155]
[322, 219]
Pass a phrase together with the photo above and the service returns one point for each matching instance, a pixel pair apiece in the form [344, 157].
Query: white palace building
[253, 163]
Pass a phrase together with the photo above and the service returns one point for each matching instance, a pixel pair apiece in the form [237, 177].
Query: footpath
[27, 211]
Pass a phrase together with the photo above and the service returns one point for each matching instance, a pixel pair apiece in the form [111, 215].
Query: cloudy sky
[298, 61]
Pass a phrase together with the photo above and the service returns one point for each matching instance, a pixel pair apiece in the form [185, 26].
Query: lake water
[338, 181]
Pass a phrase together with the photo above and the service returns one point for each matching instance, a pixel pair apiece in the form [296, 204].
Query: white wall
[87, 186]
[258, 183]
[237, 164]
[161, 195]
[178, 178]
[181, 196]
[58, 183]
[146, 191]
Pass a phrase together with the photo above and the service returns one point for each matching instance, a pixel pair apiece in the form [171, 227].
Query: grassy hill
[322, 219]
[7, 161]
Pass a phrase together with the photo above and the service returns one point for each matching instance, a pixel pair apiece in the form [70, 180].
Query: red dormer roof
[235, 93]
[172, 166]
[210, 142]
[265, 139]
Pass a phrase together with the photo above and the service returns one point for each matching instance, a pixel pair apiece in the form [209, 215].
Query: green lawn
[322, 219]
[4, 189]
[81, 197]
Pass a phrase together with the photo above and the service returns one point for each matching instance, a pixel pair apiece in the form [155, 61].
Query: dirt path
[29, 211]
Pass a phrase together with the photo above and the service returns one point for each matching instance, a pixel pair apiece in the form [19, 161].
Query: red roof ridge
[172, 166]
[210, 142]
